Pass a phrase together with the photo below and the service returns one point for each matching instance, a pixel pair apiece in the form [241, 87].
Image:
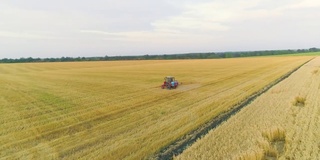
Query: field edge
[181, 144]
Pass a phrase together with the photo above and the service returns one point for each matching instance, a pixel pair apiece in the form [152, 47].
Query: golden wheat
[271, 127]
[116, 110]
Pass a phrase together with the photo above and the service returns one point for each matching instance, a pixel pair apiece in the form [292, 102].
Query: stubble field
[116, 110]
[283, 123]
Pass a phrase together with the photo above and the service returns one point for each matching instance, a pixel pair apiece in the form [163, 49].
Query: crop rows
[116, 110]
[283, 123]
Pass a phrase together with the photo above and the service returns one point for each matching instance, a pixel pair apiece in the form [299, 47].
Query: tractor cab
[169, 83]
[169, 79]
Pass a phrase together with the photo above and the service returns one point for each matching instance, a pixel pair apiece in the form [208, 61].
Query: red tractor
[169, 83]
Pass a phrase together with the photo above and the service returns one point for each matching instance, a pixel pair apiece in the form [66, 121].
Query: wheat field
[116, 110]
[283, 123]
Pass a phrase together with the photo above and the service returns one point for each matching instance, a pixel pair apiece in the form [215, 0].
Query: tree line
[209, 55]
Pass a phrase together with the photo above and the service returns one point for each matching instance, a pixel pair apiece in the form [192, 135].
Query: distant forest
[209, 55]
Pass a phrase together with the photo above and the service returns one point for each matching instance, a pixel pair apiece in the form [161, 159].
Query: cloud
[24, 35]
[302, 4]
[220, 15]
[82, 28]
[212, 16]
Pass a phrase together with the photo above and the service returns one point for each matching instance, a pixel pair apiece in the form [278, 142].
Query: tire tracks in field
[178, 146]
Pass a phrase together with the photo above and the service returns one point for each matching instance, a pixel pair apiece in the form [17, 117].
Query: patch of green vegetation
[300, 54]
[59, 103]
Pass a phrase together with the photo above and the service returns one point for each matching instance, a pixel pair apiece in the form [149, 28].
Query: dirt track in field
[181, 144]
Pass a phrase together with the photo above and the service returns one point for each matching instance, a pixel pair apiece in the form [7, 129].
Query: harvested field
[283, 123]
[116, 110]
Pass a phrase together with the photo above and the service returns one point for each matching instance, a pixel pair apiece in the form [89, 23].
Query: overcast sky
[56, 28]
